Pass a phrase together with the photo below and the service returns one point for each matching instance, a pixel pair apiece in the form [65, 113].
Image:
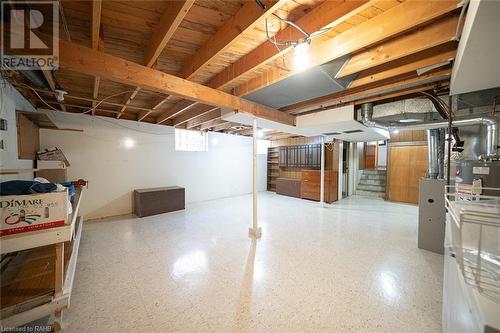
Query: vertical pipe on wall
[432, 145]
[322, 177]
[254, 231]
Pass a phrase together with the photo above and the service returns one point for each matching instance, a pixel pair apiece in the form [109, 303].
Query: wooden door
[405, 167]
[370, 160]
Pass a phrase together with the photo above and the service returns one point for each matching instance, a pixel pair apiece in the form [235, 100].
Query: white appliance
[471, 285]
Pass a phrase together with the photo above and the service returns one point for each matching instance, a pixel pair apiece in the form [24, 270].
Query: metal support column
[254, 231]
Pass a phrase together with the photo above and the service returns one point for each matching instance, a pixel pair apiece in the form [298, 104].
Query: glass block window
[186, 140]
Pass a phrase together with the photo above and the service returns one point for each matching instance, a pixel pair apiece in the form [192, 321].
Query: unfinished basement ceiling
[312, 83]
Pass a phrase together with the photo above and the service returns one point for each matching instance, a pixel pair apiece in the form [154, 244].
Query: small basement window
[186, 140]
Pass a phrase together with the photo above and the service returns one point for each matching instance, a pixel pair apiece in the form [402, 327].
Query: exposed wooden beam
[404, 17]
[96, 22]
[211, 124]
[80, 98]
[95, 36]
[224, 126]
[207, 117]
[438, 56]
[363, 92]
[175, 110]
[328, 14]
[95, 92]
[402, 93]
[170, 20]
[245, 20]
[98, 109]
[128, 101]
[437, 33]
[144, 114]
[84, 60]
[242, 22]
[191, 114]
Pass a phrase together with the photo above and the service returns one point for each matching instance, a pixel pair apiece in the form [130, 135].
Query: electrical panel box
[431, 215]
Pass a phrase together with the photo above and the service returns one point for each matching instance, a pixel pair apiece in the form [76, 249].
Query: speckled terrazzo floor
[351, 267]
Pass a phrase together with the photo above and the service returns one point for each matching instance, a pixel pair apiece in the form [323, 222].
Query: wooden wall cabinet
[300, 156]
[311, 184]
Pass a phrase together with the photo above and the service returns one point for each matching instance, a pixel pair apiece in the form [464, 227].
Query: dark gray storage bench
[152, 201]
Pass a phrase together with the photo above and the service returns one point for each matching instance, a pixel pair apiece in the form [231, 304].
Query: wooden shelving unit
[37, 271]
[273, 170]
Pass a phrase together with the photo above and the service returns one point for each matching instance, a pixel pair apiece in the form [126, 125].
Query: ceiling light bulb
[60, 95]
[128, 143]
[301, 56]
[302, 48]
[396, 131]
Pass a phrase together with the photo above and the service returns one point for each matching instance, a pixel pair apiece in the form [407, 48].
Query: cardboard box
[22, 213]
[52, 154]
[53, 175]
[40, 164]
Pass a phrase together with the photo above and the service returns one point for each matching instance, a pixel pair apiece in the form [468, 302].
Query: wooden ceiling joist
[402, 18]
[96, 22]
[207, 117]
[401, 94]
[142, 115]
[241, 23]
[192, 114]
[171, 19]
[437, 33]
[224, 126]
[84, 60]
[211, 124]
[169, 22]
[128, 101]
[95, 36]
[328, 14]
[245, 20]
[175, 110]
[438, 56]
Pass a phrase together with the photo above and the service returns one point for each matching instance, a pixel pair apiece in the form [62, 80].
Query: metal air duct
[490, 123]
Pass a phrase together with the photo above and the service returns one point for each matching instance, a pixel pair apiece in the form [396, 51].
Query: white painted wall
[98, 154]
[10, 101]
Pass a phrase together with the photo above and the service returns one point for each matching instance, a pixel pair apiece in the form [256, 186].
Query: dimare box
[22, 213]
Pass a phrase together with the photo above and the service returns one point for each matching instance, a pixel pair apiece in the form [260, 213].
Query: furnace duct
[490, 123]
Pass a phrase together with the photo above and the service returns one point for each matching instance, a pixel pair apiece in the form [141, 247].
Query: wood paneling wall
[406, 165]
[289, 172]
[295, 141]
[409, 136]
[28, 138]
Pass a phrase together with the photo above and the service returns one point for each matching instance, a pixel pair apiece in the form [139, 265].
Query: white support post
[254, 231]
[341, 169]
[322, 177]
